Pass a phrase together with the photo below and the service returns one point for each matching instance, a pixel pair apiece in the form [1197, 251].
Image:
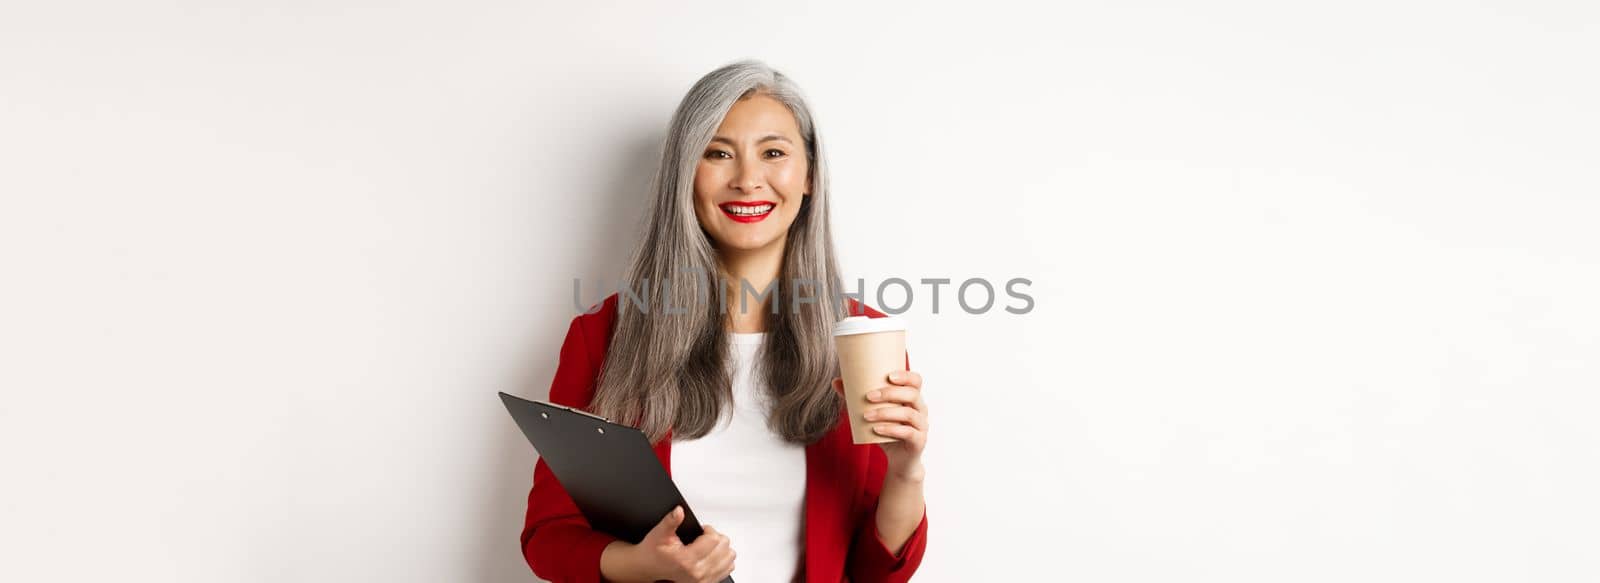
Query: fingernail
[873, 396]
[895, 376]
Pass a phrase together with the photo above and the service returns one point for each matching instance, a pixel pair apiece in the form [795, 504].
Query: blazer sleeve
[557, 541]
[870, 560]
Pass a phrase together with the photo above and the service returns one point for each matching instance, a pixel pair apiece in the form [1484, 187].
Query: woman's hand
[906, 421]
[661, 555]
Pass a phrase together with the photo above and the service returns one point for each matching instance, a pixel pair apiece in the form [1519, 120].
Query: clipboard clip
[576, 410]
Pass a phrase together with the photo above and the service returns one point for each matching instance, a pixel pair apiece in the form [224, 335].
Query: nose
[749, 178]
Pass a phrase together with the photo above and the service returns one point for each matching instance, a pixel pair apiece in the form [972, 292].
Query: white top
[746, 481]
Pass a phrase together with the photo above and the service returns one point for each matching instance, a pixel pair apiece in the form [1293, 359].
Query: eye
[780, 153]
[716, 154]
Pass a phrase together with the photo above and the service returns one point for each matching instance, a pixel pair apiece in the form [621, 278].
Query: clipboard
[609, 470]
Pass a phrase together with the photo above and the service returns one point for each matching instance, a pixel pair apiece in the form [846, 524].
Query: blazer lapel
[828, 501]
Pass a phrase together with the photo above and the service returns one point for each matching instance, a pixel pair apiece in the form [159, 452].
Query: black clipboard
[609, 470]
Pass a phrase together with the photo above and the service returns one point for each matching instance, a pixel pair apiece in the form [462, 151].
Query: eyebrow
[766, 138]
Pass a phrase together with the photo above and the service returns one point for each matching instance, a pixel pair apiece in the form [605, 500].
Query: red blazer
[842, 485]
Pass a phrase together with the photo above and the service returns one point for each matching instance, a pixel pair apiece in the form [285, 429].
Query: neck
[759, 268]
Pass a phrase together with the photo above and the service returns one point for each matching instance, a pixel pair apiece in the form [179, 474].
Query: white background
[1314, 286]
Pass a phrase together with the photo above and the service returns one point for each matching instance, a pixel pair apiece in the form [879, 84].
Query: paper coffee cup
[869, 349]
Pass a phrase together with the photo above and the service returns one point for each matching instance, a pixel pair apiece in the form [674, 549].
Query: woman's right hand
[661, 555]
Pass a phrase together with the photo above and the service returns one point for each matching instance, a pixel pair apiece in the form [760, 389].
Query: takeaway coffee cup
[869, 349]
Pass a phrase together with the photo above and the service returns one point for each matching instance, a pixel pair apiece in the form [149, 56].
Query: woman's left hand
[906, 421]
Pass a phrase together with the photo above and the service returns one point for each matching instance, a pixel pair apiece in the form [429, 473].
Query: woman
[739, 392]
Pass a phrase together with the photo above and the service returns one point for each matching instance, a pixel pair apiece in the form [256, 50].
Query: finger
[710, 557]
[903, 414]
[708, 536]
[906, 378]
[904, 395]
[907, 438]
[707, 541]
[720, 564]
[725, 568]
[906, 433]
[668, 525]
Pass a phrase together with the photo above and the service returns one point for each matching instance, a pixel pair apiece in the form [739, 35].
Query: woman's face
[752, 176]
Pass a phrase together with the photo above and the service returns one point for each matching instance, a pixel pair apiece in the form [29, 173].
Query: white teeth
[748, 211]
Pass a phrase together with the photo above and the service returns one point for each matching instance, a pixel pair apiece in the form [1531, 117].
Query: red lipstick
[748, 211]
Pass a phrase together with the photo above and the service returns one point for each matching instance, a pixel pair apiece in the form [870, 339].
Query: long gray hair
[667, 371]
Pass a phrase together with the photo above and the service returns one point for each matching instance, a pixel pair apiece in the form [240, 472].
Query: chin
[748, 243]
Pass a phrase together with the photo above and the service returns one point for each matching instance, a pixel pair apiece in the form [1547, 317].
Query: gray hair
[666, 371]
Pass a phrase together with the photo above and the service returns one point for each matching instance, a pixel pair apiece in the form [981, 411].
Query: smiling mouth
[747, 213]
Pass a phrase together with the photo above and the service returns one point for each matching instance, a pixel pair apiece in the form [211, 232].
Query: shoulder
[583, 354]
[596, 323]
